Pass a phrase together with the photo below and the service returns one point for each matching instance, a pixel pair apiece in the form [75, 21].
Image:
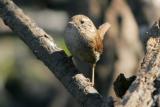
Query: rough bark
[141, 93]
[54, 58]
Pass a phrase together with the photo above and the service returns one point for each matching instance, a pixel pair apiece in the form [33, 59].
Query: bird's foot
[90, 82]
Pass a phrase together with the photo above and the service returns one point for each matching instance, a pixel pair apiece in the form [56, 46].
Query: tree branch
[54, 58]
[141, 92]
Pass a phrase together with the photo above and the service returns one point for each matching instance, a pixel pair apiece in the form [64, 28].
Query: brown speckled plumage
[83, 39]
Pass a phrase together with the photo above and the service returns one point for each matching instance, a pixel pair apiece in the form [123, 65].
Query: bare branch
[140, 93]
[53, 57]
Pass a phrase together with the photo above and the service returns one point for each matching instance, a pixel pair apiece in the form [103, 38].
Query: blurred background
[27, 82]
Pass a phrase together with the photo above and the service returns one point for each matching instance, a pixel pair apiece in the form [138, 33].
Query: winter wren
[84, 41]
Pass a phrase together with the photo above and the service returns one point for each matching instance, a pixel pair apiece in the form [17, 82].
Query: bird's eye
[81, 21]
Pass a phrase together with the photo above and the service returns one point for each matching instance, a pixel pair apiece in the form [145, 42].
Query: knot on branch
[121, 84]
[155, 30]
[151, 39]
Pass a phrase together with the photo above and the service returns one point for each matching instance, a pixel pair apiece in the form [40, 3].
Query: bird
[85, 41]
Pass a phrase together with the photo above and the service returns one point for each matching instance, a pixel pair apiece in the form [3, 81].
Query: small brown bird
[84, 41]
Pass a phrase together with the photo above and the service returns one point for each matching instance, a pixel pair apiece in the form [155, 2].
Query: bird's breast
[82, 45]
